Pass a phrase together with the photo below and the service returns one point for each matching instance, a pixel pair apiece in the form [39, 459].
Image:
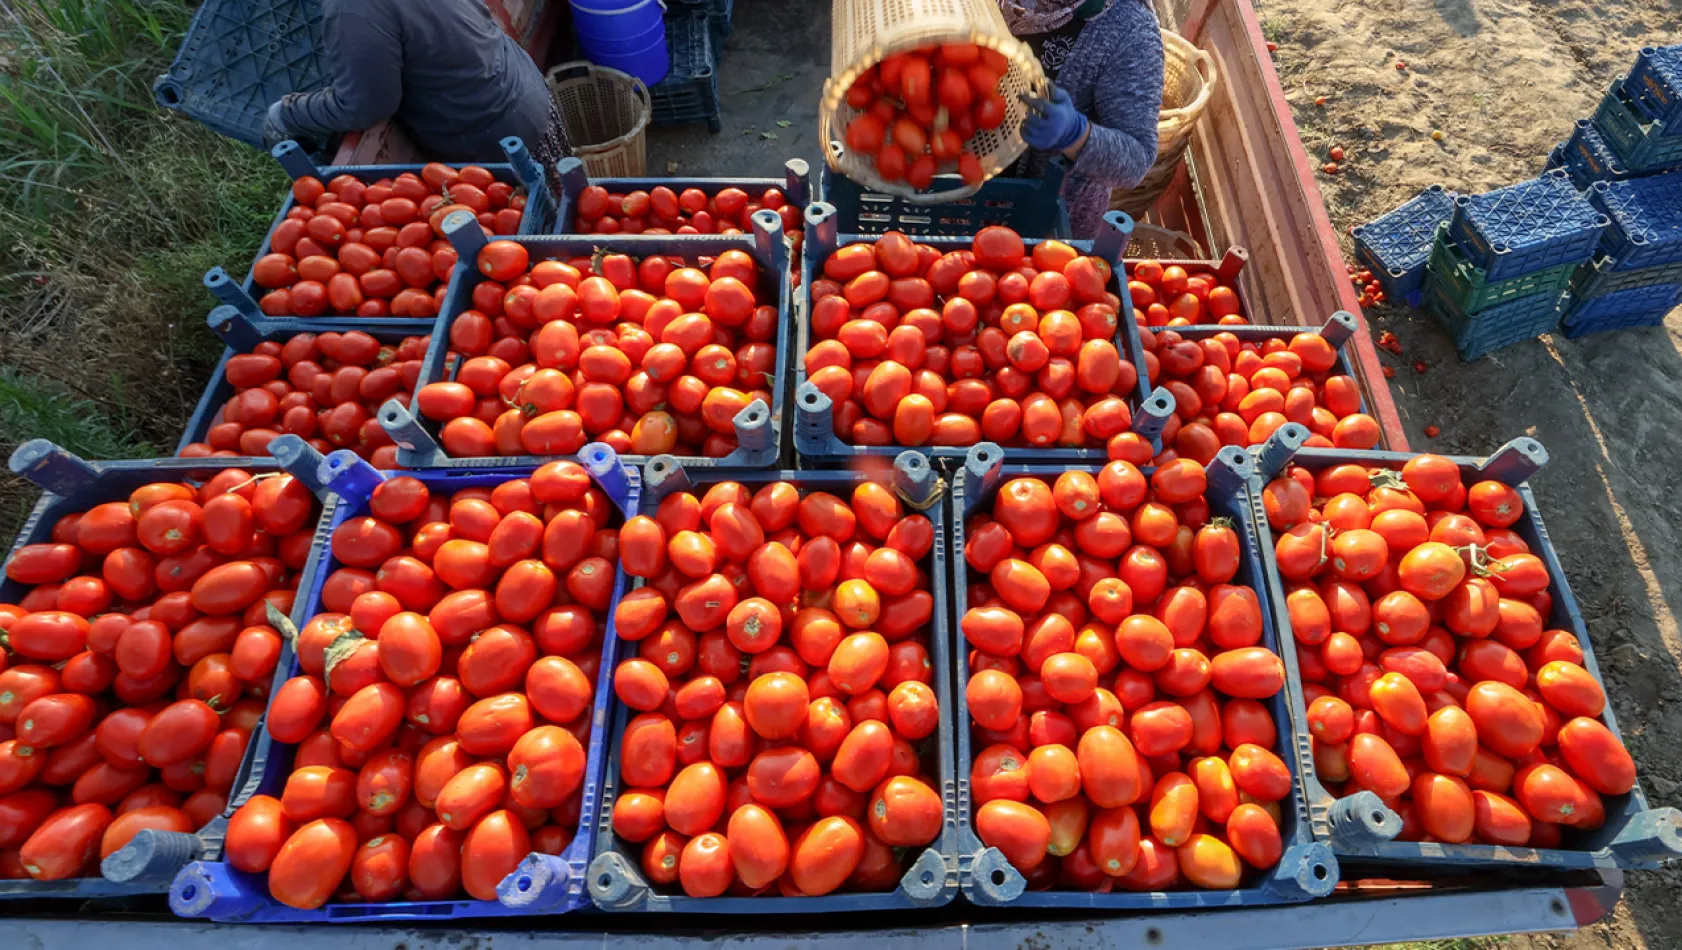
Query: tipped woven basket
[868, 31]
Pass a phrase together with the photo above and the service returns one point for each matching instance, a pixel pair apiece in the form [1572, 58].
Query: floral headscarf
[1028, 17]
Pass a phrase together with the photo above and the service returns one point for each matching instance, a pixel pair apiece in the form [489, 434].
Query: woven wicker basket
[868, 31]
[606, 114]
[1188, 81]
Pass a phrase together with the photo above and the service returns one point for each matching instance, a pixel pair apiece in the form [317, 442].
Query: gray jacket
[1114, 77]
[443, 68]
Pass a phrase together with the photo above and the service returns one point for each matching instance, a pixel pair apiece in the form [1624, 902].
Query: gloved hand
[274, 127]
[1053, 124]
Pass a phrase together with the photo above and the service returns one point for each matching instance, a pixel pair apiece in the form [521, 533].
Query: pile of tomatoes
[1229, 391]
[1430, 676]
[660, 210]
[1118, 686]
[652, 356]
[918, 111]
[1171, 297]
[916, 347]
[348, 247]
[135, 668]
[326, 388]
[442, 703]
[781, 692]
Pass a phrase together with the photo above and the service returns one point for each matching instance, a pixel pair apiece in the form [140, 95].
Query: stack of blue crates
[1499, 267]
[695, 35]
[1637, 129]
[1636, 275]
[1396, 246]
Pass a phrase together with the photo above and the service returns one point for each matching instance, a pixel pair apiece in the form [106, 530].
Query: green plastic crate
[1469, 287]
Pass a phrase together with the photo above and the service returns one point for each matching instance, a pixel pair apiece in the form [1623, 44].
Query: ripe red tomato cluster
[323, 387]
[660, 210]
[442, 705]
[915, 347]
[652, 356]
[919, 110]
[377, 250]
[135, 669]
[1430, 675]
[1118, 686]
[1171, 297]
[798, 772]
[1229, 391]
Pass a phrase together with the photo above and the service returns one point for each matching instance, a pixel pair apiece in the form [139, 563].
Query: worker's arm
[1120, 146]
[365, 54]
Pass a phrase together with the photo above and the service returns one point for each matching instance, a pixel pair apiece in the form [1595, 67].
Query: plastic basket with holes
[815, 438]
[606, 114]
[1589, 159]
[1306, 869]
[1644, 145]
[1656, 83]
[211, 887]
[1526, 227]
[865, 32]
[689, 93]
[1360, 827]
[1500, 325]
[1396, 246]
[1646, 220]
[1636, 307]
[238, 56]
[618, 882]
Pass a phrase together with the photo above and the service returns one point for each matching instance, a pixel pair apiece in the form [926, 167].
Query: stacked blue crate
[1655, 85]
[689, 93]
[1510, 237]
[1395, 247]
[1636, 276]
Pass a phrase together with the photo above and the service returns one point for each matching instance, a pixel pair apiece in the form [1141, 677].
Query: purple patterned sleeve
[1115, 77]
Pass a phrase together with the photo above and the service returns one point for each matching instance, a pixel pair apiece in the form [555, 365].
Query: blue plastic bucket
[621, 45]
[649, 64]
[615, 20]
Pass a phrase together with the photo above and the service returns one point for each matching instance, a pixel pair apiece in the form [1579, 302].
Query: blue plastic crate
[1360, 827]
[1655, 83]
[1636, 307]
[1514, 321]
[552, 884]
[689, 93]
[931, 880]
[238, 57]
[758, 429]
[1337, 330]
[1645, 216]
[719, 14]
[1642, 146]
[1306, 871]
[1526, 227]
[520, 171]
[1589, 159]
[69, 485]
[796, 185]
[242, 334]
[1601, 278]
[814, 428]
[1033, 209]
[1396, 246]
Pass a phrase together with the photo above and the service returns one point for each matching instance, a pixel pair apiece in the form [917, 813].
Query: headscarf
[1028, 17]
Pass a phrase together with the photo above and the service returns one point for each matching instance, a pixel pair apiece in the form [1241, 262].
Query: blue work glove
[274, 128]
[1053, 124]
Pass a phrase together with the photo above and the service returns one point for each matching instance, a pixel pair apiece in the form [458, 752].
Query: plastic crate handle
[56, 470]
[231, 293]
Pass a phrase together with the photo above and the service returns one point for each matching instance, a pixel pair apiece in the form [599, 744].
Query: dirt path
[1504, 80]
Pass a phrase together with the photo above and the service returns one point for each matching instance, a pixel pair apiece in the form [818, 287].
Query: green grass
[111, 210]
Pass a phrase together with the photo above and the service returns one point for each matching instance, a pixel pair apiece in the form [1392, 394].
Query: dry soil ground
[1504, 80]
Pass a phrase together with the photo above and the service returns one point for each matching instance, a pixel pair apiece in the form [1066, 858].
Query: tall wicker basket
[1188, 81]
[606, 114]
[868, 31]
